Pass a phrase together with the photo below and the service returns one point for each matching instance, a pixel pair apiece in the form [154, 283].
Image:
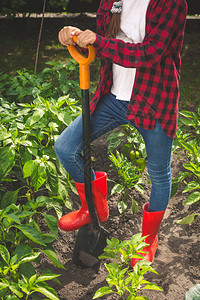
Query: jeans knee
[63, 151]
[68, 153]
[160, 176]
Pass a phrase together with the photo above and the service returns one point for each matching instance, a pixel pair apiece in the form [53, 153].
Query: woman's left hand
[86, 38]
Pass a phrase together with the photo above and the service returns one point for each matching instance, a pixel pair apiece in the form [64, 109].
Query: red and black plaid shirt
[157, 60]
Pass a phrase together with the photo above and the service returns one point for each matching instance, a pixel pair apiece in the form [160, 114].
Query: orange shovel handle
[84, 62]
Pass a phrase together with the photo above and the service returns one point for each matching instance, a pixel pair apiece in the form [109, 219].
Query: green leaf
[32, 279]
[52, 223]
[114, 135]
[42, 201]
[187, 220]
[47, 292]
[28, 258]
[134, 206]
[38, 177]
[3, 285]
[192, 185]
[14, 288]
[53, 257]
[57, 207]
[67, 118]
[9, 198]
[5, 254]
[106, 255]
[52, 180]
[113, 242]
[48, 238]
[24, 214]
[11, 297]
[35, 170]
[102, 291]
[188, 147]
[28, 168]
[152, 286]
[45, 277]
[139, 188]
[13, 260]
[191, 167]
[27, 270]
[48, 272]
[37, 115]
[114, 144]
[7, 160]
[187, 122]
[174, 189]
[22, 249]
[186, 114]
[12, 217]
[193, 198]
[31, 233]
[4, 136]
[118, 188]
[122, 206]
[181, 176]
[62, 190]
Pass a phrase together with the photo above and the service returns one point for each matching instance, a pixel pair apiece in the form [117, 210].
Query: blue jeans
[109, 114]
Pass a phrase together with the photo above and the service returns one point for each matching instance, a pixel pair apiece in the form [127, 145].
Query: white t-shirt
[132, 30]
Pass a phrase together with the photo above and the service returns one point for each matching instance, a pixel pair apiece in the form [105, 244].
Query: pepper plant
[123, 281]
[34, 110]
[188, 139]
[128, 177]
[129, 161]
[18, 276]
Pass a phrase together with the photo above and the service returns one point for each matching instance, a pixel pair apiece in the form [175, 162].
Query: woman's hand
[66, 33]
[85, 38]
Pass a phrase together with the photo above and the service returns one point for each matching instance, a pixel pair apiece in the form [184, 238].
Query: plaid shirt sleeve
[150, 51]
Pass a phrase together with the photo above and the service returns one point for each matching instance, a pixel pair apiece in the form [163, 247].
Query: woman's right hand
[66, 33]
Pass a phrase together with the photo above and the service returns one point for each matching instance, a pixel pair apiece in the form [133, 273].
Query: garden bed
[177, 257]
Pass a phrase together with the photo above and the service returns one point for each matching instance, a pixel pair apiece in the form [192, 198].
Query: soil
[177, 256]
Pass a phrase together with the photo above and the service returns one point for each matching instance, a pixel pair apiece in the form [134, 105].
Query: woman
[139, 43]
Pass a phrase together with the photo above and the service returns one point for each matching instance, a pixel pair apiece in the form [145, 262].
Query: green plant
[121, 280]
[33, 112]
[130, 138]
[27, 147]
[188, 138]
[129, 161]
[129, 176]
[54, 81]
[16, 282]
[28, 133]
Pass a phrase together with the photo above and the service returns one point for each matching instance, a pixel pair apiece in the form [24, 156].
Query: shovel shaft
[84, 76]
[87, 157]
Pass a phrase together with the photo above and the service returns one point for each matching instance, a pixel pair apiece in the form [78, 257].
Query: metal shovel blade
[90, 243]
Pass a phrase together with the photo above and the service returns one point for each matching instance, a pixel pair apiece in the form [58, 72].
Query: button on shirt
[132, 30]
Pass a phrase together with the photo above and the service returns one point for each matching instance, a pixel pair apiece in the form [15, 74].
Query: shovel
[91, 238]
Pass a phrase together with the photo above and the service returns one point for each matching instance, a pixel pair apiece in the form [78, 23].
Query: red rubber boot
[150, 226]
[81, 217]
